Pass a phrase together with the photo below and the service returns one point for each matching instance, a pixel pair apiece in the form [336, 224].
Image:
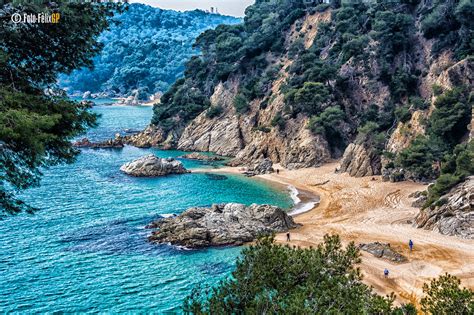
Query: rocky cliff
[302, 84]
[453, 214]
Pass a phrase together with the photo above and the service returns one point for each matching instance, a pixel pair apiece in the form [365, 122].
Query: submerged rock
[382, 250]
[221, 224]
[202, 157]
[215, 176]
[151, 165]
[453, 214]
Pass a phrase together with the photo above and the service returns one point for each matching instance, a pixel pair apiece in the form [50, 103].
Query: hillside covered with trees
[299, 81]
[146, 50]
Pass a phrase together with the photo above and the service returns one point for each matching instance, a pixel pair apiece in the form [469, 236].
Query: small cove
[85, 250]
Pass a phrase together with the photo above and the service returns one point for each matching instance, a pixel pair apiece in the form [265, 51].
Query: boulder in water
[115, 143]
[221, 224]
[151, 165]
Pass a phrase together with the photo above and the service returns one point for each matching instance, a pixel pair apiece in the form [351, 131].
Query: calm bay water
[86, 249]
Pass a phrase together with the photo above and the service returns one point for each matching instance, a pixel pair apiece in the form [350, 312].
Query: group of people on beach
[385, 272]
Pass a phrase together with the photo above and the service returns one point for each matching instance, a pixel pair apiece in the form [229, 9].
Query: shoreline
[364, 210]
[303, 200]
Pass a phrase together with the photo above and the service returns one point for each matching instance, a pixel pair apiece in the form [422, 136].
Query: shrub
[214, 111]
[455, 169]
[328, 122]
[279, 121]
[437, 89]
[264, 129]
[370, 136]
[241, 104]
[445, 296]
[419, 103]
[403, 113]
[309, 99]
[419, 158]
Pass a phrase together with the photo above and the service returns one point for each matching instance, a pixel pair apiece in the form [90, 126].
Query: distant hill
[147, 51]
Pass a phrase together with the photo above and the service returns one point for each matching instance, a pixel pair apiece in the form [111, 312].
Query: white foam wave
[300, 207]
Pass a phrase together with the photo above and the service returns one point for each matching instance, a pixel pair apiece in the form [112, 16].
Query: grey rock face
[382, 250]
[150, 137]
[454, 214]
[264, 166]
[150, 166]
[221, 224]
[202, 157]
[359, 162]
[420, 198]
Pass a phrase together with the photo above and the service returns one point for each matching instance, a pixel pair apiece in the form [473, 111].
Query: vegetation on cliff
[145, 51]
[237, 50]
[37, 122]
[275, 279]
[360, 76]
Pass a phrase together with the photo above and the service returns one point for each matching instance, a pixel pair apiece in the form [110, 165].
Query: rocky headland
[220, 225]
[151, 166]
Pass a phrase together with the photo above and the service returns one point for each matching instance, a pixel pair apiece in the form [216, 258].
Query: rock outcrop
[359, 161]
[151, 165]
[152, 136]
[202, 157]
[453, 214]
[264, 166]
[221, 224]
[383, 251]
[420, 198]
[115, 143]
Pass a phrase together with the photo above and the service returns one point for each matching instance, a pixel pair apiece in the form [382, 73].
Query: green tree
[310, 99]
[444, 296]
[275, 279]
[37, 121]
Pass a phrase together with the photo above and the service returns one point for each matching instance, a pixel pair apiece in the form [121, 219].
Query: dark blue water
[86, 249]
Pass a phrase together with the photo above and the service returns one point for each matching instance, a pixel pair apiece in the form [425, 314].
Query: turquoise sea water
[86, 249]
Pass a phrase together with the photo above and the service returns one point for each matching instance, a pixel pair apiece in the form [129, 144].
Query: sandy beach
[366, 210]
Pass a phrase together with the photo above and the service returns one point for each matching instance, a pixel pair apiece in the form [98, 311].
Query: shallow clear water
[86, 249]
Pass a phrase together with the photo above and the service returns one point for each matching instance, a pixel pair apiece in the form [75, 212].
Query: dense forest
[145, 50]
[365, 74]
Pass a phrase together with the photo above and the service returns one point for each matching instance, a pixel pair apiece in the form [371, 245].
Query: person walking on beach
[278, 171]
[385, 273]
[410, 244]
[288, 236]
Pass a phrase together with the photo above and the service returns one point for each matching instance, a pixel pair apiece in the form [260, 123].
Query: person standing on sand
[385, 273]
[278, 171]
[288, 236]
[410, 244]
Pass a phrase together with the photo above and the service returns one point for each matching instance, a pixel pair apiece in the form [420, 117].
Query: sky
[226, 7]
